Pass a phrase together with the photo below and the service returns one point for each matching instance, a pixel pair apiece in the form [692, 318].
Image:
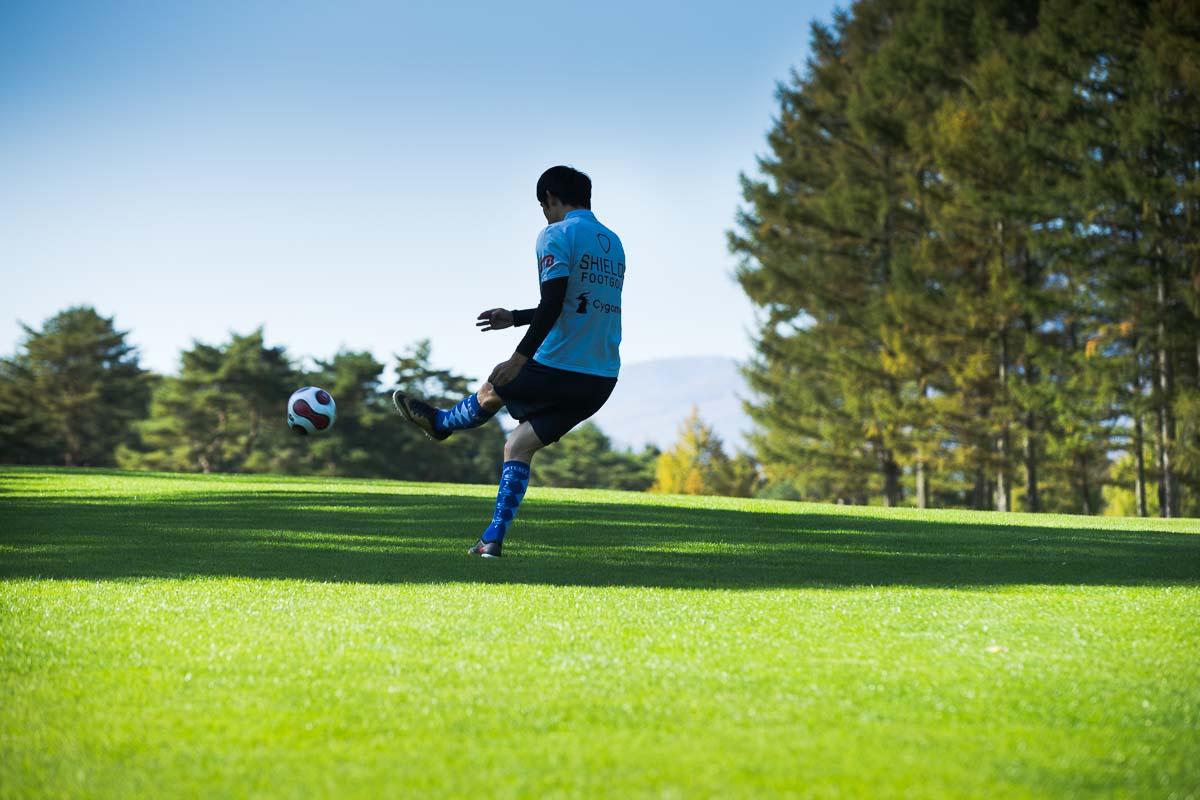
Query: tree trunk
[1085, 486]
[1139, 488]
[1033, 502]
[891, 480]
[1166, 420]
[251, 437]
[979, 493]
[73, 455]
[1003, 489]
[922, 486]
[1158, 456]
[1139, 437]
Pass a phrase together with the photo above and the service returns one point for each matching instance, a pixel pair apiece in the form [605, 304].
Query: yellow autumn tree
[697, 464]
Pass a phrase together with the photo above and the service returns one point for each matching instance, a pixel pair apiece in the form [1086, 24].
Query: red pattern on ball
[319, 421]
[323, 397]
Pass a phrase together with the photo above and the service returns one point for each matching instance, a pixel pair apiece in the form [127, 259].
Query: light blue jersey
[587, 335]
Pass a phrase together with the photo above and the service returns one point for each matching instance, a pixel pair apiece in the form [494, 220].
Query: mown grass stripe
[165, 635]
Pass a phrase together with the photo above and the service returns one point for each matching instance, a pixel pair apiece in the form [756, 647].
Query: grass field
[187, 636]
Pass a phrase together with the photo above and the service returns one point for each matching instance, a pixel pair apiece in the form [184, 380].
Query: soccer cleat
[486, 549]
[420, 414]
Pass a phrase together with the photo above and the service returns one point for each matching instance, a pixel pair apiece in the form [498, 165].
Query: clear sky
[361, 174]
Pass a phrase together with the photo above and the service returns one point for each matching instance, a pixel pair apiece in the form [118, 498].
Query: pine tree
[974, 246]
[224, 412]
[832, 242]
[997, 250]
[1132, 75]
[74, 390]
[473, 456]
[815, 242]
[357, 444]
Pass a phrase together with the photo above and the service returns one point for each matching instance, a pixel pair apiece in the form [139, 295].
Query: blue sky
[361, 174]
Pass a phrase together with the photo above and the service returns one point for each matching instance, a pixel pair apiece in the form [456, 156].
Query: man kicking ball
[566, 366]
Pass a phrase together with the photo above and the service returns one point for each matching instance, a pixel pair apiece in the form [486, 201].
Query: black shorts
[553, 400]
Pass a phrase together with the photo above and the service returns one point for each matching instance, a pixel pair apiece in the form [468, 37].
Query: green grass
[186, 636]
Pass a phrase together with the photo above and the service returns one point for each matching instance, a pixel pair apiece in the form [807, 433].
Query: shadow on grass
[382, 538]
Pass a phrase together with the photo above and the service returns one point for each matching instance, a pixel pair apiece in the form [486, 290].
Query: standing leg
[514, 480]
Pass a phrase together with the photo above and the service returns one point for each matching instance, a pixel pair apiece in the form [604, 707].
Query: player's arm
[554, 270]
[497, 319]
[554, 294]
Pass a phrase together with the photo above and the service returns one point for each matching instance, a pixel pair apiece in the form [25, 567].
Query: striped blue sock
[514, 480]
[467, 414]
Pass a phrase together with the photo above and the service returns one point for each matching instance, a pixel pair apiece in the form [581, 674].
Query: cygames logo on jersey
[583, 303]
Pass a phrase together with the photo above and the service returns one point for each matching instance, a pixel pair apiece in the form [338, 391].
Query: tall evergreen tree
[815, 247]
[974, 244]
[357, 445]
[473, 456]
[1132, 74]
[830, 243]
[73, 391]
[223, 413]
[998, 228]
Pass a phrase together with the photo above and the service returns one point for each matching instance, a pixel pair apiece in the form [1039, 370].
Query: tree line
[973, 242]
[76, 395]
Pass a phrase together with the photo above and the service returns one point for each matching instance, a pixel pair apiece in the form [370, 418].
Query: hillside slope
[653, 397]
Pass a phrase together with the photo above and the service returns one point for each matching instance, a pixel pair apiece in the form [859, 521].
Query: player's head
[561, 189]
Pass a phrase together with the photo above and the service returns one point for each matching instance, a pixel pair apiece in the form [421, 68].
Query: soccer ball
[311, 410]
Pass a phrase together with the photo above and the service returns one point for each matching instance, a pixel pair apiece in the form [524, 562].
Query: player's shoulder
[569, 229]
[555, 232]
[556, 228]
[585, 224]
[607, 236]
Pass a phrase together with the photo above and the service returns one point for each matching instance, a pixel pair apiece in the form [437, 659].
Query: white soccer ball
[311, 410]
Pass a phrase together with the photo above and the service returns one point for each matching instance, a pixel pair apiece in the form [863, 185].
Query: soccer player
[566, 366]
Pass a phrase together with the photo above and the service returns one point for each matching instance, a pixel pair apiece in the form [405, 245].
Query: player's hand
[506, 371]
[494, 319]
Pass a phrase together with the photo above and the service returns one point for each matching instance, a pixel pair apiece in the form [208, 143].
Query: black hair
[567, 184]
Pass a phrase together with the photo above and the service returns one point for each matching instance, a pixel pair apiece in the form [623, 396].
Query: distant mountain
[653, 397]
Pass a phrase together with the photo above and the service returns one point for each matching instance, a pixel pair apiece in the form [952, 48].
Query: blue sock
[514, 480]
[467, 414]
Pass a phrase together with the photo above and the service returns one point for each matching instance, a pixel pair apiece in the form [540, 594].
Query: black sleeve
[522, 317]
[554, 292]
